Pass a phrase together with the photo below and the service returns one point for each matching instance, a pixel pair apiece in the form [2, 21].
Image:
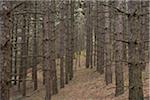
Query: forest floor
[87, 84]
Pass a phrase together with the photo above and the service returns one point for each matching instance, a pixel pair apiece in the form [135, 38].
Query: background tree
[119, 52]
[134, 62]
[5, 50]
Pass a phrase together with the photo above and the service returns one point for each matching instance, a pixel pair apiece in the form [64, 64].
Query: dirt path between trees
[87, 84]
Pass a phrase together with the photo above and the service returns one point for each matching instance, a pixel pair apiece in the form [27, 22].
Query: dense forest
[74, 50]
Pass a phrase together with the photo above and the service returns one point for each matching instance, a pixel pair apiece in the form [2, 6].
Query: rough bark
[134, 62]
[47, 57]
[88, 35]
[108, 65]
[100, 38]
[72, 39]
[119, 53]
[53, 46]
[24, 53]
[34, 58]
[144, 36]
[15, 48]
[5, 51]
[62, 46]
[67, 57]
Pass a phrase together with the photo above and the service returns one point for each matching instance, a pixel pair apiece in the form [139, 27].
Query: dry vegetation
[86, 85]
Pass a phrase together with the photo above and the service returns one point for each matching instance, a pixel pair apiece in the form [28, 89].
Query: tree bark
[135, 72]
[62, 46]
[108, 65]
[24, 53]
[34, 58]
[119, 53]
[47, 57]
[88, 35]
[5, 51]
[53, 46]
[100, 38]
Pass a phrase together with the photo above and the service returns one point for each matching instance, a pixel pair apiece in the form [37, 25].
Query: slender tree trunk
[88, 35]
[67, 44]
[62, 46]
[96, 33]
[100, 37]
[24, 55]
[12, 48]
[91, 33]
[15, 48]
[5, 51]
[125, 32]
[135, 72]
[119, 53]
[53, 47]
[43, 51]
[72, 39]
[145, 26]
[108, 65]
[144, 34]
[34, 58]
[47, 56]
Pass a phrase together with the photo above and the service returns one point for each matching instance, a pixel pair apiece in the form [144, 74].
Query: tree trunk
[15, 48]
[135, 72]
[34, 58]
[88, 35]
[62, 46]
[119, 53]
[5, 51]
[100, 37]
[108, 65]
[53, 47]
[24, 53]
[67, 57]
[47, 56]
